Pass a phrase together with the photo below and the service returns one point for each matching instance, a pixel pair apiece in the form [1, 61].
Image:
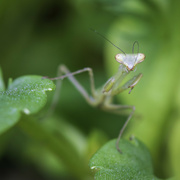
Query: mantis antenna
[107, 40]
[135, 42]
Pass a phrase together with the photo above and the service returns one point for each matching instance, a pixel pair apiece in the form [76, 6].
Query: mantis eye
[120, 58]
[140, 58]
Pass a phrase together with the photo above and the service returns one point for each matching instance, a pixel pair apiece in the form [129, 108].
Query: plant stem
[58, 145]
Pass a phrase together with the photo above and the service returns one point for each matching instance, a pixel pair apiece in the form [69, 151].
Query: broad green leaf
[25, 94]
[134, 163]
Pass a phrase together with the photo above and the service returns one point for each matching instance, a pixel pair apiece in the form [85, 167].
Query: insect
[102, 97]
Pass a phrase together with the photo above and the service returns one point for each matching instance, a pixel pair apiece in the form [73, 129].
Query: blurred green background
[37, 36]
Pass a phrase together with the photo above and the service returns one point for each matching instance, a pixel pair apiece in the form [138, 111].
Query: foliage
[25, 94]
[134, 163]
[37, 36]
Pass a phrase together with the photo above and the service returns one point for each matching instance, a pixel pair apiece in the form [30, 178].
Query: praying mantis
[103, 97]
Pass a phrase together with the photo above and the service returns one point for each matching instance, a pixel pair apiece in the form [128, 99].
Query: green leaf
[25, 94]
[134, 163]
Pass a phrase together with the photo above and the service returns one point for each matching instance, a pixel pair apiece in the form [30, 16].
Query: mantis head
[130, 60]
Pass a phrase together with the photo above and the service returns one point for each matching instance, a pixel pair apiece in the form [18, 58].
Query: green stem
[58, 145]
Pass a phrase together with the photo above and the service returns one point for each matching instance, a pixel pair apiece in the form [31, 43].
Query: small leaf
[25, 94]
[134, 163]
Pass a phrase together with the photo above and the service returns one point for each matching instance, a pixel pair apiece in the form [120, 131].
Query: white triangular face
[130, 60]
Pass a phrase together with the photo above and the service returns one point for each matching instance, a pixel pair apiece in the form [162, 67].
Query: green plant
[27, 95]
[38, 40]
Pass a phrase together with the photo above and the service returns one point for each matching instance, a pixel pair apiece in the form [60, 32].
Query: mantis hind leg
[118, 110]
